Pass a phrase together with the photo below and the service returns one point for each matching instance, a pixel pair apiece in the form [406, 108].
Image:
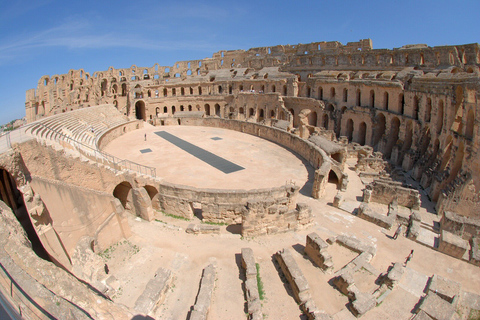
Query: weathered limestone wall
[63, 213]
[388, 192]
[271, 217]
[38, 289]
[464, 227]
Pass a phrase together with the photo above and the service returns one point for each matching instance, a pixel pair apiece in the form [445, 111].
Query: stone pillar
[318, 187]
[142, 204]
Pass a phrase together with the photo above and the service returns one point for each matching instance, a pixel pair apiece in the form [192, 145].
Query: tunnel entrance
[13, 198]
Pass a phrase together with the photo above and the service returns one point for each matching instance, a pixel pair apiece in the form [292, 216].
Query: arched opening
[358, 99]
[385, 100]
[273, 88]
[350, 130]
[165, 110]
[407, 144]
[440, 117]
[308, 91]
[428, 110]
[284, 90]
[372, 98]
[152, 193]
[393, 136]
[173, 110]
[379, 129]
[157, 111]
[217, 110]
[470, 124]
[332, 93]
[333, 178]
[250, 112]
[325, 121]
[123, 192]
[362, 133]
[124, 89]
[401, 103]
[345, 95]
[261, 115]
[272, 114]
[416, 107]
[207, 109]
[140, 113]
[12, 197]
[320, 93]
[312, 118]
[189, 108]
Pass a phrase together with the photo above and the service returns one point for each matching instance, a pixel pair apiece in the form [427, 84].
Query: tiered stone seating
[78, 124]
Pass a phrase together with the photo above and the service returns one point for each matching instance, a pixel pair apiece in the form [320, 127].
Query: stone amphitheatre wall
[418, 105]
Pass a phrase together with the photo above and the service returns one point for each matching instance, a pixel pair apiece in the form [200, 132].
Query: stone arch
[408, 137]
[320, 93]
[350, 125]
[312, 118]
[440, 117]
[428, 110]
[362, 133]
[334, 176]
[140, 112]
[325, 121]
[393, 136]
[416, 107]
[153, 194]
[385, 100]
[123, 192]
[379, 129]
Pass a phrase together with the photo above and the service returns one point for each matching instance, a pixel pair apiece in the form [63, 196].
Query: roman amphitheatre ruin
[266, 183]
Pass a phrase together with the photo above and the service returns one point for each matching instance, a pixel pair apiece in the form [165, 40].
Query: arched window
[359, 98]
[401, 103]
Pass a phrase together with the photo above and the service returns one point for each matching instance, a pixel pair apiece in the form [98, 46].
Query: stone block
[363, 304]
[366, 213]
[203, 229]
[452, 244]
[445, 288]
[294, 275]
[154, 292]
[394, 275]
[204, 297]
[437, 308]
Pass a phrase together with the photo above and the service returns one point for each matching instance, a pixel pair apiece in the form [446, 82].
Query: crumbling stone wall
[387, 192]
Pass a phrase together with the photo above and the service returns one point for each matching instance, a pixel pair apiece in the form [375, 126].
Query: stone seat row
[83, 125]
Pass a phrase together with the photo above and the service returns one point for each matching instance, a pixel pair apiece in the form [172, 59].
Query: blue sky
[45, 37]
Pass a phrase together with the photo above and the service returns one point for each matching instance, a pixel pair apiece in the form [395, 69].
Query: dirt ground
[164, 243]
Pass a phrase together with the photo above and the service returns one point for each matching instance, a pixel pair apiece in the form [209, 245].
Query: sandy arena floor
[266, 164]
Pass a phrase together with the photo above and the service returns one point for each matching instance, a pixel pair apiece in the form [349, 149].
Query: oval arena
[267, 182]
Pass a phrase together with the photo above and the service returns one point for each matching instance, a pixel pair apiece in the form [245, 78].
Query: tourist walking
[398, 231]
[409, 257]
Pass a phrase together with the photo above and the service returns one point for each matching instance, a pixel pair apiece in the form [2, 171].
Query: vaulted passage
[12, 197]
[140, 110]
